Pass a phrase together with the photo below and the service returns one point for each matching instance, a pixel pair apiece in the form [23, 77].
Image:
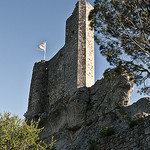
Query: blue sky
[23, 25]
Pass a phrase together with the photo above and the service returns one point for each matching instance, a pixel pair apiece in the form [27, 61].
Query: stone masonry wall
[89, 50]
[85, 47]
[67, 70]
[81, 76]
[38, 94]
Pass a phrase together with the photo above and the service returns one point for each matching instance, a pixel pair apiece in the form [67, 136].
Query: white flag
[42, 46]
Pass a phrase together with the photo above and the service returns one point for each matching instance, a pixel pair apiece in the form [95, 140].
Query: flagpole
[44, 54]
[45, 51]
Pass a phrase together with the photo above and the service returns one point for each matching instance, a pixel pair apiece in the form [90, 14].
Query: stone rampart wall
[38, 92]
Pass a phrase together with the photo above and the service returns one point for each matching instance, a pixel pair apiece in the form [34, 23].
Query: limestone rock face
[142, 106]
[113, 91]
[75, 119]
[76, 108]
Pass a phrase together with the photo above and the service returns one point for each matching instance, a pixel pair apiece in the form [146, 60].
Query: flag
[42, 46]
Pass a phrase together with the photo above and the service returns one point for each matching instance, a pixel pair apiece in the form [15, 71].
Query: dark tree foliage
[122, 31]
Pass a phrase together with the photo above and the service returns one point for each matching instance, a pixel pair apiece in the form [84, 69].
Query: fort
[71, 68]
[73, 108]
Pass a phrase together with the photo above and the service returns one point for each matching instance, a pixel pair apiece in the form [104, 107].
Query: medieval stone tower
[71, 68]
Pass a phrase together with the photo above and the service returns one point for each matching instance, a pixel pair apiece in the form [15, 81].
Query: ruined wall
[89, 50]
[81, 76]
[85, 47]
[38, 94]
[72, 67]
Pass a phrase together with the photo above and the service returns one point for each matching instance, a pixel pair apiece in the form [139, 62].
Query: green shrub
[15, 134]
[108, 74]
[91, 144]
[133, 123]
[107, 131]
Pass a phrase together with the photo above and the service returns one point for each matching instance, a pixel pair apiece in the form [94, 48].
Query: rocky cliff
[78, 119]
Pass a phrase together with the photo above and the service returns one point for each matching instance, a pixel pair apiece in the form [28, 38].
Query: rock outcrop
[75, 120]
[140, 108]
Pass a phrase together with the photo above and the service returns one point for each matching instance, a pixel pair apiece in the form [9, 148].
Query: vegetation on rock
[107, 131]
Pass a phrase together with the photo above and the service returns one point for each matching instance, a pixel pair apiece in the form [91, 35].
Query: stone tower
[79, 33]
[71, 68]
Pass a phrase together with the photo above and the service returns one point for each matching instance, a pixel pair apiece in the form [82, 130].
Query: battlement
[71, 68]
